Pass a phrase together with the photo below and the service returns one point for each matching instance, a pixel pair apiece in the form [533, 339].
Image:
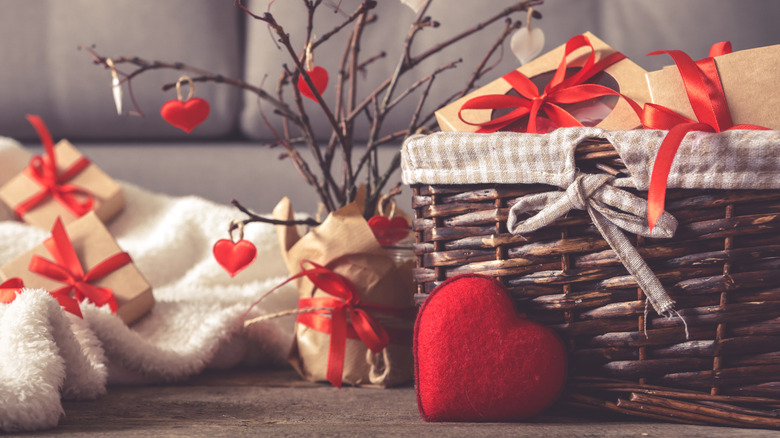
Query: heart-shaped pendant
[234, 256]
[185, 114]
[388, 231]
[9, 289]
[527, 44]
[477, 360]
[319, 77]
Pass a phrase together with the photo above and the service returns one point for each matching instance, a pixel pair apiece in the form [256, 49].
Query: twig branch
[145, 65]
[254, 217]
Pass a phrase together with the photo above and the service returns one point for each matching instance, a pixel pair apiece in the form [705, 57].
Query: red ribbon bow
[13, 286]
[43, 170]
[67, 269]
[706, 95]
[343, 316]
[560, 90]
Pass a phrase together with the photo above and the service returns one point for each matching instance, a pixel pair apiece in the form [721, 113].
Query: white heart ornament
[526, 45]
[415, 5]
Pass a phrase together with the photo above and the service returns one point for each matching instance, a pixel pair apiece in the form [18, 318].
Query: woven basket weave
[722, 267]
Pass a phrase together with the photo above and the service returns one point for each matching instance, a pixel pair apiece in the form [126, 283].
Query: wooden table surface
[279, 403]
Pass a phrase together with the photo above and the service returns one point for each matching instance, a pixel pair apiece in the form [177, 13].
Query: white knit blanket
[47, 355]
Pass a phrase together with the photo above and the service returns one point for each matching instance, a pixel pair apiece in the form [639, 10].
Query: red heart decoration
[476, 359]
[319, 77]
[387, 231]
[234, 256]
[9, 289]
[185, 115]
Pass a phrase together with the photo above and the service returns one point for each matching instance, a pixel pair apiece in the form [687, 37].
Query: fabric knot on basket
[609, 208]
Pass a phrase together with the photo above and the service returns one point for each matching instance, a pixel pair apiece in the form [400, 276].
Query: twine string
[289, 312]
[185, 78]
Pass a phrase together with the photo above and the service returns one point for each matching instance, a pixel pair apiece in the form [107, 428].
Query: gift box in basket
[584, 82]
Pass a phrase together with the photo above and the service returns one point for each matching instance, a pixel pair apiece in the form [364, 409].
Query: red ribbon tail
[338, 346]
[656, 194]
[69, 304]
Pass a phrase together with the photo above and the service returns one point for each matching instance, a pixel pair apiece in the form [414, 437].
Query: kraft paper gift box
[623, 76]
[92, 244]
[108, 197]
[750, 83]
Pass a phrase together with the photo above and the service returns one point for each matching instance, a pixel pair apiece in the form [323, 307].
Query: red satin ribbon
[560, 90]
[67, 269]
[43, 170]
[708, 100]
[343, 316]
[13, 286]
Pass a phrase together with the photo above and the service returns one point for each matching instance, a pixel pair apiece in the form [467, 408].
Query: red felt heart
[185, 115]
[234, 256]
[477, 360]
[387, 231]
[319, 77]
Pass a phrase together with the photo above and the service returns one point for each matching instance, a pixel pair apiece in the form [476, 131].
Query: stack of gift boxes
[588, 83]
[64, 192]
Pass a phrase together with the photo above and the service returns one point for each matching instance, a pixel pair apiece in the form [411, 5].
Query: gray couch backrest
[44, 73]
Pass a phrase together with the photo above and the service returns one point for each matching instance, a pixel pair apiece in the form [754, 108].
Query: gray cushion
[44, 73]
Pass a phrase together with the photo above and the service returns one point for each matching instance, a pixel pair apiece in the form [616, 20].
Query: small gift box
[584, 82]
[61, 183]
[752, 98]
[84, 259]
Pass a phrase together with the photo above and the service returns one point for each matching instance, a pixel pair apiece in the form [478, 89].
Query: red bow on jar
[343, 316]
[43, 170]
[13, 286]
[706, 95]
[67, 269]
[560, 90]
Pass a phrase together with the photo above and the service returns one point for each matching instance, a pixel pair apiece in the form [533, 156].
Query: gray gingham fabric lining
[729, 160]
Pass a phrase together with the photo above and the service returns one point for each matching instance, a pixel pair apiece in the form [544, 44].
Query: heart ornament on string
[235, 256]
[390, 229]
[185, 114]
[527, 43]
[414, 5]
[476, 359]
[318, 76]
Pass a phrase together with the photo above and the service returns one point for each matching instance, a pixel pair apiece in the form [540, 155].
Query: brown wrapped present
[62, 183]
[751, 98]
[355, 302]
[584, 82]
[84, 259]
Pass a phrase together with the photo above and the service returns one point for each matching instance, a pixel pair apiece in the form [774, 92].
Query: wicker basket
[722, 267]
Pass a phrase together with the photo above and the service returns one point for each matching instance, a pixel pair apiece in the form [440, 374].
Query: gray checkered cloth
[729, 160]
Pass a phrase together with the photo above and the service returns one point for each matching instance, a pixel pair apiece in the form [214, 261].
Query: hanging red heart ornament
[234, 256]
[185, 114]
[319, 77]
[388, 231]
